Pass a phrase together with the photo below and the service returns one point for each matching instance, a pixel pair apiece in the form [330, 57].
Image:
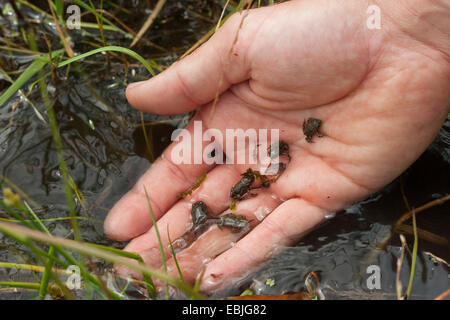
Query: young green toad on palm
[382, 96]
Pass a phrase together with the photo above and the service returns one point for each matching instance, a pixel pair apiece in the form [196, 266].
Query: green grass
[48, 258]
[26, 236]
[23, 285]
[180, 273]
[37, 65]
[35, 223]
[414, 257]
[161, 249]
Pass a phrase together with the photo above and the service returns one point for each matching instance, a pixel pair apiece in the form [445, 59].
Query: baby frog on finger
[234, 221]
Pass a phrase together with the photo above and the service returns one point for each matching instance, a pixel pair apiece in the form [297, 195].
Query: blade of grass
[414, 256]
[127, 51]
[147, 141]
[161, 249]
[49, 263]
[29, 72]
[23, 285]
[51, 219]
[36, 218]
[41, 62]
[78, 193]
[198, 282]
[46, 275]
[58, 143]
[59, 8]
[126, 287]
[10, 50]
[34, 268]
[36, 110]
[174, 255]
[66, 179]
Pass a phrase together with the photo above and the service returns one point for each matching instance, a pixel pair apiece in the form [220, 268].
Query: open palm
[381, 95]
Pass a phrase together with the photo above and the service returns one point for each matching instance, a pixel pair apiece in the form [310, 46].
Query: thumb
[196, 79]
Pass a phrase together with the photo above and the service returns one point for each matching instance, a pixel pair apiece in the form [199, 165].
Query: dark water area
[104, 148]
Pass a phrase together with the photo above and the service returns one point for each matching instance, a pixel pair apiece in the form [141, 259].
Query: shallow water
[93, 116]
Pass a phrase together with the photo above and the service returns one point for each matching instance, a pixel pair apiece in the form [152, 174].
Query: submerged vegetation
[62, 111]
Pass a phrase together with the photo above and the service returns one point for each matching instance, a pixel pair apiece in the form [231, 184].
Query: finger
[285, 225]
[217, 240]
[214, 191]
[196, 79]
[164, 181]
[179, 221]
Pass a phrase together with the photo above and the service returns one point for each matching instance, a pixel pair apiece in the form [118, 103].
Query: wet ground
[94, 116]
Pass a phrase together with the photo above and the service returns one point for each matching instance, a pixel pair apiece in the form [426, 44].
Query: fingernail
[211, 282]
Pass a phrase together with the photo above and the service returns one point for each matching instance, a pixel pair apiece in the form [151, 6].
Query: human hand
[382, 96]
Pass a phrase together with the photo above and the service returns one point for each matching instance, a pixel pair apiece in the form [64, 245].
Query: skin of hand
[382, 96]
